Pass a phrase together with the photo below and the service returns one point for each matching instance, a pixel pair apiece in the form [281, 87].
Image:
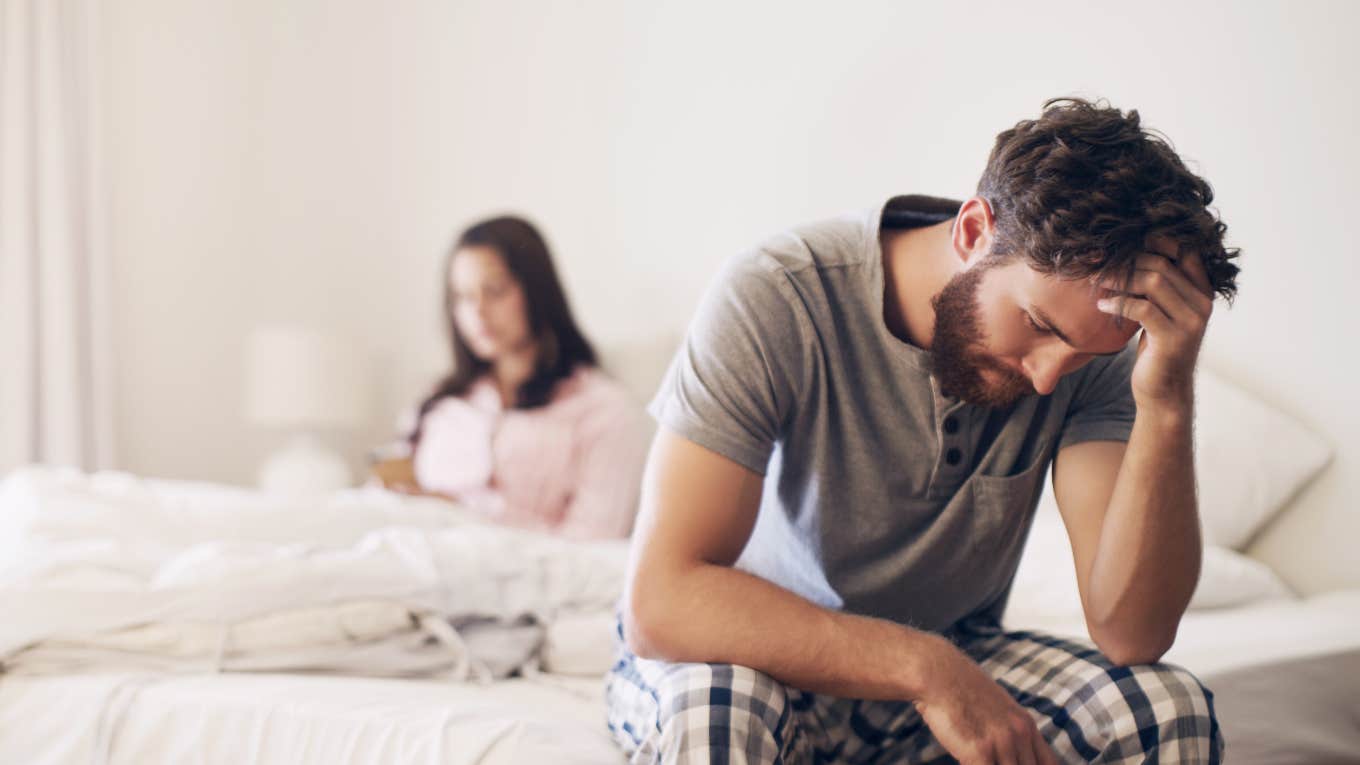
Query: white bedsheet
[1218, 640]
[234, 719]
[249, 718]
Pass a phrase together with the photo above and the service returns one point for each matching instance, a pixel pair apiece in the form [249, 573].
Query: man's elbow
[648, 625]
[1129, 647]
[1132, 655]
[637, 631]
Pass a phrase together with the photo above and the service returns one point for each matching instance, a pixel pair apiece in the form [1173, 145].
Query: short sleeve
[734, 380]
[1102, 407]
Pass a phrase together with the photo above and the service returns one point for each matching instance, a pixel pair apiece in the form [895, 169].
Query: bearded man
[853, 439]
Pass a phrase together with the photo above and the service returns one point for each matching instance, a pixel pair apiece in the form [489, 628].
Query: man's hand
[973, 718]
[1172, 299]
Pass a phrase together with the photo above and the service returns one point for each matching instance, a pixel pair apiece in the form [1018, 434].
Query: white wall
[309, 162]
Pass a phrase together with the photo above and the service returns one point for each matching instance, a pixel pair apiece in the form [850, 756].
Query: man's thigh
[1088, 709]
[1091, 710]
[703, 713]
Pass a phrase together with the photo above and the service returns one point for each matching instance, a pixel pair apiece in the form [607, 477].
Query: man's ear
[974, 229]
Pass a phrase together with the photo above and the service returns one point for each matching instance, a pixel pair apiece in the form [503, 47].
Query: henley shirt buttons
[953, 456]
[951, 425]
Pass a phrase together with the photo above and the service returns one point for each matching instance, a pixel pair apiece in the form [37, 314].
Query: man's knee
[704, 708]
[689, 688]
[1156, 707]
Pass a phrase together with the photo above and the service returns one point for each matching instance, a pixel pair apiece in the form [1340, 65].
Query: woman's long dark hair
[561, 346]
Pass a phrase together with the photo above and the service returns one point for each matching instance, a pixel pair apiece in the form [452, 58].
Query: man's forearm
[713, 613]
[1147, 562]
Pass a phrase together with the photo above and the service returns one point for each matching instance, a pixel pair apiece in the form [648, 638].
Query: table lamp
[305, 382]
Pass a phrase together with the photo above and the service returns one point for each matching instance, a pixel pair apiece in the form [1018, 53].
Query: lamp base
[305, 466]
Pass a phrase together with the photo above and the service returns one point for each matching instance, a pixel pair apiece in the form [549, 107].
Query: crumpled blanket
[109, 571]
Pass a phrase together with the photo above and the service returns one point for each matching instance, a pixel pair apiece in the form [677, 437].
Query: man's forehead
[1069, 305]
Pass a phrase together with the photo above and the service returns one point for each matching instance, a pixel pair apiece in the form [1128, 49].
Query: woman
[526, 429]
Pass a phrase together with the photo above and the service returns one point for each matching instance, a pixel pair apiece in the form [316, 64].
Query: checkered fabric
[1088, 709]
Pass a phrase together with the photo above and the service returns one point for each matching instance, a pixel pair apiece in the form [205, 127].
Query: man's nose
[1043, 371]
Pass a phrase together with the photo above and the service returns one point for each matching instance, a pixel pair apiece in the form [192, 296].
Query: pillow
[1045, 588]
[1250, 460]
[1229, 578]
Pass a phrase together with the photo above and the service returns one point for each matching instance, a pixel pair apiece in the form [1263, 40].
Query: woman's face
[489, 307]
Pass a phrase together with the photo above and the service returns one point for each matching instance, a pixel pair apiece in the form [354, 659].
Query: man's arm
[1131, 511]
[685, 603]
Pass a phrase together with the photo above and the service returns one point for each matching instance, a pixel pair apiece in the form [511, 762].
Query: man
[855, 435]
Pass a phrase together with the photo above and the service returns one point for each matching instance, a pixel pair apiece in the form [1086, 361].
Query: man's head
[1067, 199]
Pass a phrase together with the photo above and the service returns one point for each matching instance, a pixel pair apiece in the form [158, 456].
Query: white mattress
[237, 718]
[246, 718]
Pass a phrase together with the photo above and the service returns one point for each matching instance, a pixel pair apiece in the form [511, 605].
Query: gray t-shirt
[881, 496]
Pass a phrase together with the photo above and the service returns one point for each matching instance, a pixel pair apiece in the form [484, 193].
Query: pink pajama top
[573, 466]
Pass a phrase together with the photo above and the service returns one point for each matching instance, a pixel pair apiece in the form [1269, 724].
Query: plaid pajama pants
[1088, 709]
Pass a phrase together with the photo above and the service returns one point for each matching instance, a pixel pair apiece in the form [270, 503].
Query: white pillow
[1228, 578]
[1045, 589]
[1250, 460]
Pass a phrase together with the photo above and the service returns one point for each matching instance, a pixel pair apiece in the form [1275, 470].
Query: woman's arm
[611, 455]
[397, 474]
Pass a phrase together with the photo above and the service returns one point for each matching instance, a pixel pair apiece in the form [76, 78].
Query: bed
[157, 621]
[294, 718]
[61, 705]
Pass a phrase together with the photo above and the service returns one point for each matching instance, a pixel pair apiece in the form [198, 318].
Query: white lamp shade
[303, 378]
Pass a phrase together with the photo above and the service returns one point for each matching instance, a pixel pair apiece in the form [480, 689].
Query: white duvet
[112, 571]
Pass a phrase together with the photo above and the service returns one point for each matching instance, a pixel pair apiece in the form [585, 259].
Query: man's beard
[957, 357]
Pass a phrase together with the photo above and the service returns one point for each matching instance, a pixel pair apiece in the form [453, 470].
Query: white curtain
[55, 375]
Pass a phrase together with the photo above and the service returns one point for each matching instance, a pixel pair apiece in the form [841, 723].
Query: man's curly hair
[1079, 190]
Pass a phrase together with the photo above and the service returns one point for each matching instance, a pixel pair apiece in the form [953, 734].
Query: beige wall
[309, 161]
